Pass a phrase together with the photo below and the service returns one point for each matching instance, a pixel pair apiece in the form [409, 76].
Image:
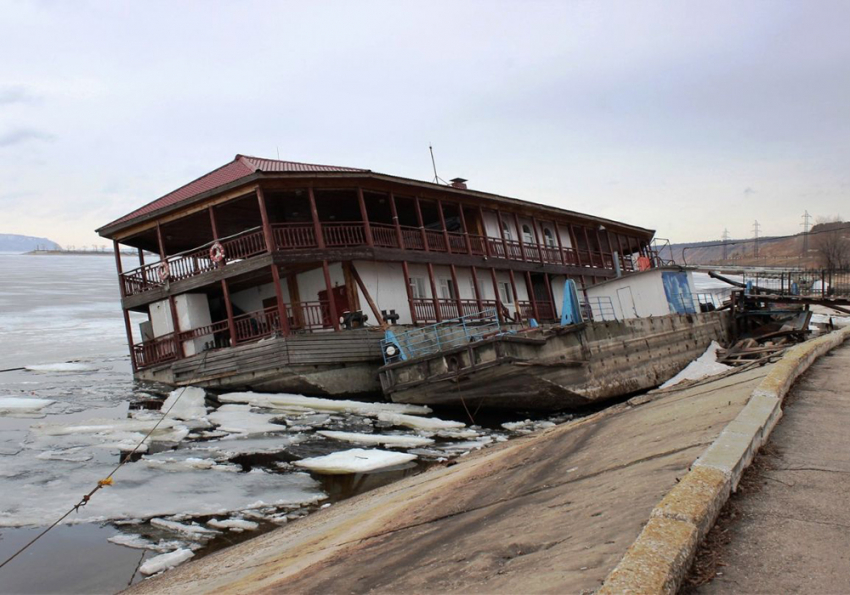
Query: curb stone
[661, 555]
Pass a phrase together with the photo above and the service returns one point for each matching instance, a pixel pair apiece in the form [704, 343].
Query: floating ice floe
[22, 405]
[185, 403]
[235, 525]
[232, 446]
[356, 460]
[385, 439]
[165, 561]
[64, 367]
[702, 367]
[76, 454]
[240, 419]
[188, 464]
[419, 423]
[194, 531]
[283, 400]
[140, 543]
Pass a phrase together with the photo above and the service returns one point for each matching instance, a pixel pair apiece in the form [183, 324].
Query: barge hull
[558, 367]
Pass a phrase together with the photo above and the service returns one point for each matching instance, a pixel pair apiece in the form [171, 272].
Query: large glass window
[505, 294]
[417, 288]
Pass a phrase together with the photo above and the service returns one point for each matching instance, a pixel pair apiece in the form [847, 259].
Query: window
[505, 294]
[549, 237]
[417, 288]
[527, 237]
[506, 230]
[447, 289]
[480, 292]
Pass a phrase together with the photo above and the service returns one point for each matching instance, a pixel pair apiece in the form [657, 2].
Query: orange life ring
[217, 252]
[164, 271]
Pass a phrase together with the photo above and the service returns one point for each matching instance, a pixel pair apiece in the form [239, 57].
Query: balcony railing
[301, 236]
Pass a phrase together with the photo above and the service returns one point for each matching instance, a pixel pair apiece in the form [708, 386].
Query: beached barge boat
[639, 331]
[274, 275]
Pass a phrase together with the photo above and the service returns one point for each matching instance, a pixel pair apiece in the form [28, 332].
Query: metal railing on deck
[445, 335]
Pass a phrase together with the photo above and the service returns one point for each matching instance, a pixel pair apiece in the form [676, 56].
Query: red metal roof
[241, 166]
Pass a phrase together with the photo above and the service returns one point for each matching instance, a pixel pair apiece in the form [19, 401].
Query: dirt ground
[548, 513]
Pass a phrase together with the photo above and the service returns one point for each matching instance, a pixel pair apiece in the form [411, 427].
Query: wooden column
[281, 307]
[406, 272]
[501, 225]
[537, 239]
[574, 238]
[314, 213]
[457, 291]
[476, 289]
[142, 268]
[529, 287]
[350, 286]
[484, 232]
[399, 236]
[295, 300]
[443, 225]
[160, 242]
[421, 224]
[367, 229]
[372, 305]
[228, 306]
[551, 298]
[128, 328]
[560, 243]
[434, 296]
[517, 309]
[213, 223]
[519, 238]
[331, 301]
[499, 305]
[587, 241]
[175, 324]
[267, 226]
[465, 230]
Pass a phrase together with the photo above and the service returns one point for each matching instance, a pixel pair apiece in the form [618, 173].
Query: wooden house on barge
[279, 276]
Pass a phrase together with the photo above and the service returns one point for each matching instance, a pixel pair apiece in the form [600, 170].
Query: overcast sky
[685, 117]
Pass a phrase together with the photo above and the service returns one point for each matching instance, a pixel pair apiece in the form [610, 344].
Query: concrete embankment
[552, 512]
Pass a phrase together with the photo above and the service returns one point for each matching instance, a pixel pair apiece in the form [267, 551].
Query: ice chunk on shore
[193, 530]
[239, 419]
[702, 367]
[235, 525]
[23, 405]
[385, 439]
[283, 400]
[65, 367]
[185, 403]
[419, 423]
[356, 460]
[165, 561]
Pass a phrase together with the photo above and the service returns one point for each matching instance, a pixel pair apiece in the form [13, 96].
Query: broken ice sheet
[283, 400]
[389, 440]
[165, 561]
[419, 423]
[236, 525]
[240, 419]
[22, 405]
[63, 367]
[355, 460]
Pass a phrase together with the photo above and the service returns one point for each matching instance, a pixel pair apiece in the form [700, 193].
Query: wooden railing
[299, 236]
[160, 350]
[545, 310]
[309, 315]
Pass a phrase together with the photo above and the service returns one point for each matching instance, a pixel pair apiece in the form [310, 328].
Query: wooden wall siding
[349, 347]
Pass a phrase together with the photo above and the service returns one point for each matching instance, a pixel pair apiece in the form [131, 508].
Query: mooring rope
[106, 481]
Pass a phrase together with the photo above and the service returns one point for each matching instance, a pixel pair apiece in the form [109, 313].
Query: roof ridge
[249, 157]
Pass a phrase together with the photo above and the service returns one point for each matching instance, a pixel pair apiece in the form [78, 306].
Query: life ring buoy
[217, 252]
[164, 271]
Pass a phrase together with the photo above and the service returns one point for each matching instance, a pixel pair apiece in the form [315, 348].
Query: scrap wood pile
[767, 341]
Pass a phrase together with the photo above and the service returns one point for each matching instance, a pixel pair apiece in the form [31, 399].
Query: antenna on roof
[278, 152]
[437, 179]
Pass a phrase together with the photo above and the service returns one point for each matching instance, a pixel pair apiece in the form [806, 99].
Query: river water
[207, 480]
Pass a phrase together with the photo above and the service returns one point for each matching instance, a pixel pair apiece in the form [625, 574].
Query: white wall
[647, 292]
[386, 284]
[160, 314]
[193, 311]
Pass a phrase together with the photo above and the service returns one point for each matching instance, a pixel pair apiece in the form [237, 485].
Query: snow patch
[702, 367]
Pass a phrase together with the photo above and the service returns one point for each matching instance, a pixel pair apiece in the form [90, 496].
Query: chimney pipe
[459, 183]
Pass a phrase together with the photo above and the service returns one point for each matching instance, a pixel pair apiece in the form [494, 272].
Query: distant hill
[772, 251]
[10, 242]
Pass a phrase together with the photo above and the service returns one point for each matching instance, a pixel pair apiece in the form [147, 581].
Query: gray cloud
[20, 136]
[10, 94]
[748, 190]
